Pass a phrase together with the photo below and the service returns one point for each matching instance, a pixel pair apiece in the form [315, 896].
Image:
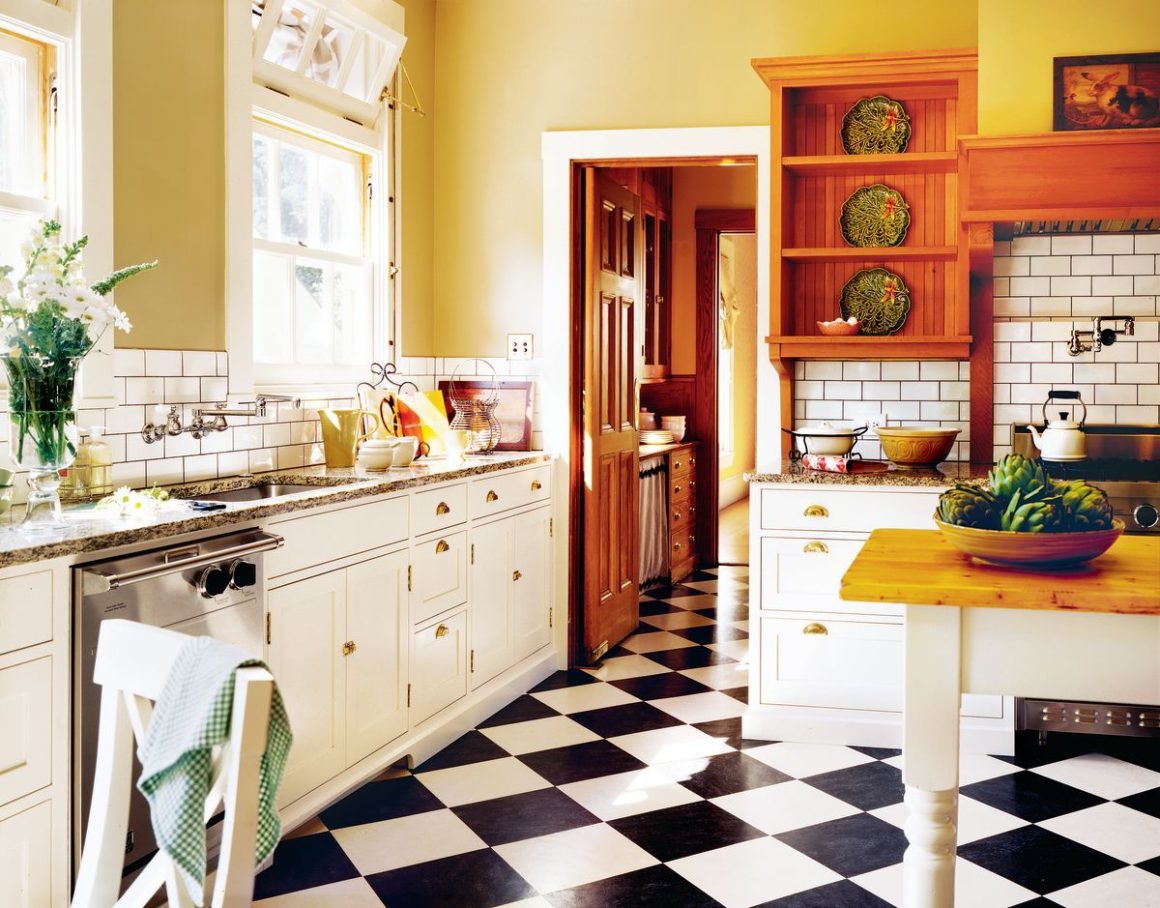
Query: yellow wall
[741, 251]
[1018, 40]
[169, 170]
[693, 188]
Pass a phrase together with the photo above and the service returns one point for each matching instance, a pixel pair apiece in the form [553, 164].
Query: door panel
[531, 597]
[493, 551]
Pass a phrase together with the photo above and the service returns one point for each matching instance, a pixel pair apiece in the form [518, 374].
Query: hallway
[733, 533]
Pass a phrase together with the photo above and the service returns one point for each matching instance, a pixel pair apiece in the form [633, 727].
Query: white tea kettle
[1063, 438]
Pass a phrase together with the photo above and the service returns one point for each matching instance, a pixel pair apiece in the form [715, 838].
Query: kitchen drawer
[26, 720]
[504, 491]
[803, 566]
[438, 509]
[682, 545]
[438, 666]
[846, 510]
[331, 535]
[25, 610]
[682, 515]
[438, 575]
[682, 462]
[26, 878]
[835, 664]
[682, 486]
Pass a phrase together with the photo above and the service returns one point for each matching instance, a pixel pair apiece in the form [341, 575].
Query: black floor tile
[867, 786]
[1040, 902]
[851, 845]
[711, 633]
[385, 799]
[625, 720]
[569, 678]
[657, 687]
[688, 657]
[1030, 796]
[562, 765]
[878, 753]
[1152, 865]
[729, 773]
[478, 879]
[652, 887]
[469, 748]
[842, 894]
[303, 863]
[650, 607]
[699, 577]
[1146, 802]
[1039, 860]
[725, 610]
[675, 592]
[729, 730]
[677, 832]
[524, 816]
[738, 693]
[521, 709]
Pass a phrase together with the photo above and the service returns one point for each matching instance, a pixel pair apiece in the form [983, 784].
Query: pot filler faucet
[208, 419]
[1099, 337]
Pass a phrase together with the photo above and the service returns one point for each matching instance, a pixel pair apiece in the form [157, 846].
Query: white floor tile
[1128, 887]
[310, 827]
[539, 734]
[706, 707]
[976, 819]
[629, 793]
[689, 603]
[1102, 775]
[481, 781]
[740, 625]
[673, 620]
[1114, 829]
[586, 696]
[753, 872]
[356, 893]
[536, 902]
[654, 642]
[720, 677]
[802, 760]
[388, 844]
[975, 887]
[972, 767]
[734, 649]
[785, 806]
[620, 667]
[702, 586]
[668, 745]
[575, 857]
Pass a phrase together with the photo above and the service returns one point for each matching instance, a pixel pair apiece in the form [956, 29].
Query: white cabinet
[531, 587]
[26, 851]
[439, 571]
[25, 728]
[439, 666]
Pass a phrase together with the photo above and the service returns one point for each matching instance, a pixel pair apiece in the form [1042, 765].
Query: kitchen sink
[259, 492]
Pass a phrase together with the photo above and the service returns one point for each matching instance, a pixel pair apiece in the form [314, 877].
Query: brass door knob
[816, 510]
[441, 546]
[442, 508]
[349, 647]
[491, 496]
[441, 631]
[815, 546]
[516, 575]
[814, 628]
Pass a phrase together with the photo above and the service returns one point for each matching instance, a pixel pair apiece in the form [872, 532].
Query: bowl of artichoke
[1024, 518]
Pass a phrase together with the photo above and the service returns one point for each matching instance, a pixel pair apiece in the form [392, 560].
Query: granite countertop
[90, 530]
[944, 475]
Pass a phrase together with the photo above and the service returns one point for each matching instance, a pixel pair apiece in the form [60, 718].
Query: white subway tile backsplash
[1108, 243]
[809, 390]
[1033, 286]
[1091, 305]
[1115, 394]
[1114, 285]
[165, 471]
[1032, 352]
[276, 435]
[1013, 265]
[1148, 415]
[1146, 285]
[919, 390]
[1012, 331]
[881, 390]
[1028, 393]
[183, 445]
[1148, 352]
[1012, 373]
[1136, 373]
[861, 371]
[1051, 372]
[1050, 306]
[1027, 245]
[1134, 264]
[1065, 286]
[1148, 243]
[843, 390]
[1138, 306]
[819, 370]
[149, 390]
[954, 390]
[1049, 265]
[1012, 306]
[939, 409]
[203, 466]
[198, 362]
[214, 390]
[128, 362]
[1091, 264]
[823, 409]
[1095, 373]
[1071, 245]
[901, 370]
[182, 390]
[163, 362]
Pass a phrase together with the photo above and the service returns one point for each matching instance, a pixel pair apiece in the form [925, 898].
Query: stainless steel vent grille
[1110, 225]
[1089, 718]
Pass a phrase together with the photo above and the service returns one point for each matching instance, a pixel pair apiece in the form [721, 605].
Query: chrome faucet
[210, 419]
[256, 407]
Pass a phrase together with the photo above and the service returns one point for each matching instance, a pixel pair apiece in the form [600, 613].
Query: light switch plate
[519, 346]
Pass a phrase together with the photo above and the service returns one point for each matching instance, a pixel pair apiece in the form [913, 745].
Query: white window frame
[81, 153]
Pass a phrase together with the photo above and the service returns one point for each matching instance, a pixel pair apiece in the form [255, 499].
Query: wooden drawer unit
[25, 610]
[438, 509]
[682, 515]
[438, 666]
[26, 719]
[322, 538]
[438, 575]
[682, 486]
[846, 510]
[682, 462]
[504, 491]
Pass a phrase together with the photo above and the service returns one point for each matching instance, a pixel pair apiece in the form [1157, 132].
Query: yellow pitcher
[340, 434]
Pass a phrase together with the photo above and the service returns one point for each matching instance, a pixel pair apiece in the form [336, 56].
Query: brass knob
[692, 461]
[676, 489]
[820, 547]
[516, 575]
[349, 647]
[814, 628]
[441, 631]
[816, 510]
[676, 515]
[442, 508]
[491, 496]
[677, 546]
[692, 539]
[441, 546]
[536, 485]
[676, 464]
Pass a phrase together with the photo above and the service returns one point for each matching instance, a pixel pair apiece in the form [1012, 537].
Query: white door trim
[559, 150]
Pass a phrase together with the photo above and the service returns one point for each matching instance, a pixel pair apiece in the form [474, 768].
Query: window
[314, 268]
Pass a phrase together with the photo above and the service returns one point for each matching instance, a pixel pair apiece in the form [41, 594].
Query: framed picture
[514, 410]
[1111, 91]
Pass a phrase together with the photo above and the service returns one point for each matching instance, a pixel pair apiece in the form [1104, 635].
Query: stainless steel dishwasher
[209, 587]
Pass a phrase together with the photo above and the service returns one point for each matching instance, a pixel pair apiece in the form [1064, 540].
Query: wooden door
[531, 589]
[492, 555]
[307, 631]
[613, 271]
[376, 668]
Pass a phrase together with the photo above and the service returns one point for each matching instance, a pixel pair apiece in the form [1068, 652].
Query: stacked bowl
[674, 424]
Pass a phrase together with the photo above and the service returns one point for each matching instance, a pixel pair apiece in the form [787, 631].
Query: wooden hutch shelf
[870, 253]
[843, 164]
[860, 347]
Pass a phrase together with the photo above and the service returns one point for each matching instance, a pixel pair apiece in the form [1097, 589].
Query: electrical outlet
[519, 346]
[879, 419]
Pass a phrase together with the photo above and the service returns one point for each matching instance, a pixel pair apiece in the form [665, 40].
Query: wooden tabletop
[919, 567]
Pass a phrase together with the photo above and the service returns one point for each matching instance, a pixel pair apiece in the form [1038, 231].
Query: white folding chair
[133, 661]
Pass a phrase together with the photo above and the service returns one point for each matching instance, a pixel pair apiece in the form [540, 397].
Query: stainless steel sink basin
[259, 492]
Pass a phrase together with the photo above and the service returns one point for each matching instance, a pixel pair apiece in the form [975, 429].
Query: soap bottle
[100, 460]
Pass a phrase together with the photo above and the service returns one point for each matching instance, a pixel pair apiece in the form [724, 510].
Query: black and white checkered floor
[631, 786]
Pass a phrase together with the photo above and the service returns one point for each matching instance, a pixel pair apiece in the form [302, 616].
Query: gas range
[1124, 461]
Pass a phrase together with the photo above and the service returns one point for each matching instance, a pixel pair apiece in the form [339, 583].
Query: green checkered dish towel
[192, 716]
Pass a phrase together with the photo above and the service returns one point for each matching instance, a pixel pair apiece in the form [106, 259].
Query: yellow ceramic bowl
[1031, 550]
[916, 446]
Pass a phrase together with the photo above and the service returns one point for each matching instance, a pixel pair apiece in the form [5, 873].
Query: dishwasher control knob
[1146, 516]
[213, 581]
[243, 574]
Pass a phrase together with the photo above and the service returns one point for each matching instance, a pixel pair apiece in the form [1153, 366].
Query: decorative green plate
[878, 298]
[875, 216]
[877, 125]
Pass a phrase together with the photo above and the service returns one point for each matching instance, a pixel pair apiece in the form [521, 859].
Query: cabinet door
[307, 632]
[438, 666]
[25, 728]
[440, 576]
[531, 587]
[376, 669]
[25, 858]
[492, 559]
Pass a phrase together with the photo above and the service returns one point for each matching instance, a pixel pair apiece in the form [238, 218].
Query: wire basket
[475, 410]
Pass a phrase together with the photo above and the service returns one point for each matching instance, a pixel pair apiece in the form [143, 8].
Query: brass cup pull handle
[442, 631]
[349, 647]
[516, 575]
[814, 628]
[819, 547]
[441, 546]
[491, 496]
[442, 509]
[536, 485]
[816, 510]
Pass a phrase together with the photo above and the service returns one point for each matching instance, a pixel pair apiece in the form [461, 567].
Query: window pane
[333, 45]
[352, 314]
[272, 319]
[262, 187]
[313, 315]
[22, 159]
[285, 47]
[293, 187]
[14, 229]
[365, 68]
[340, 217]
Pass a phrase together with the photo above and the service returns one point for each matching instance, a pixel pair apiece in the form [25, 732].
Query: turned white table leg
[930, 751]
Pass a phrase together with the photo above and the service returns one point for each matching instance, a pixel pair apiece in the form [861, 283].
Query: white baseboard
[731, 491]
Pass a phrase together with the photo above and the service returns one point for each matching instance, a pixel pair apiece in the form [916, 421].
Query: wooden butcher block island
[1090, 633]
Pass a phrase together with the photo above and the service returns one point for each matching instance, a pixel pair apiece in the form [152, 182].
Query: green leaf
[104, 287]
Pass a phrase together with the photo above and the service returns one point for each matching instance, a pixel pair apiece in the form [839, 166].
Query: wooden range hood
[1065, 180]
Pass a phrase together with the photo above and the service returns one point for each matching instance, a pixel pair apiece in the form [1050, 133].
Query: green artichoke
[1084, 507]
[969, 506]
[1016, 473]
[1039, 515]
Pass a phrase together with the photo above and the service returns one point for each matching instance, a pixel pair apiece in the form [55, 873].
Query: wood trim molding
[726, 220]
[911, 66]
